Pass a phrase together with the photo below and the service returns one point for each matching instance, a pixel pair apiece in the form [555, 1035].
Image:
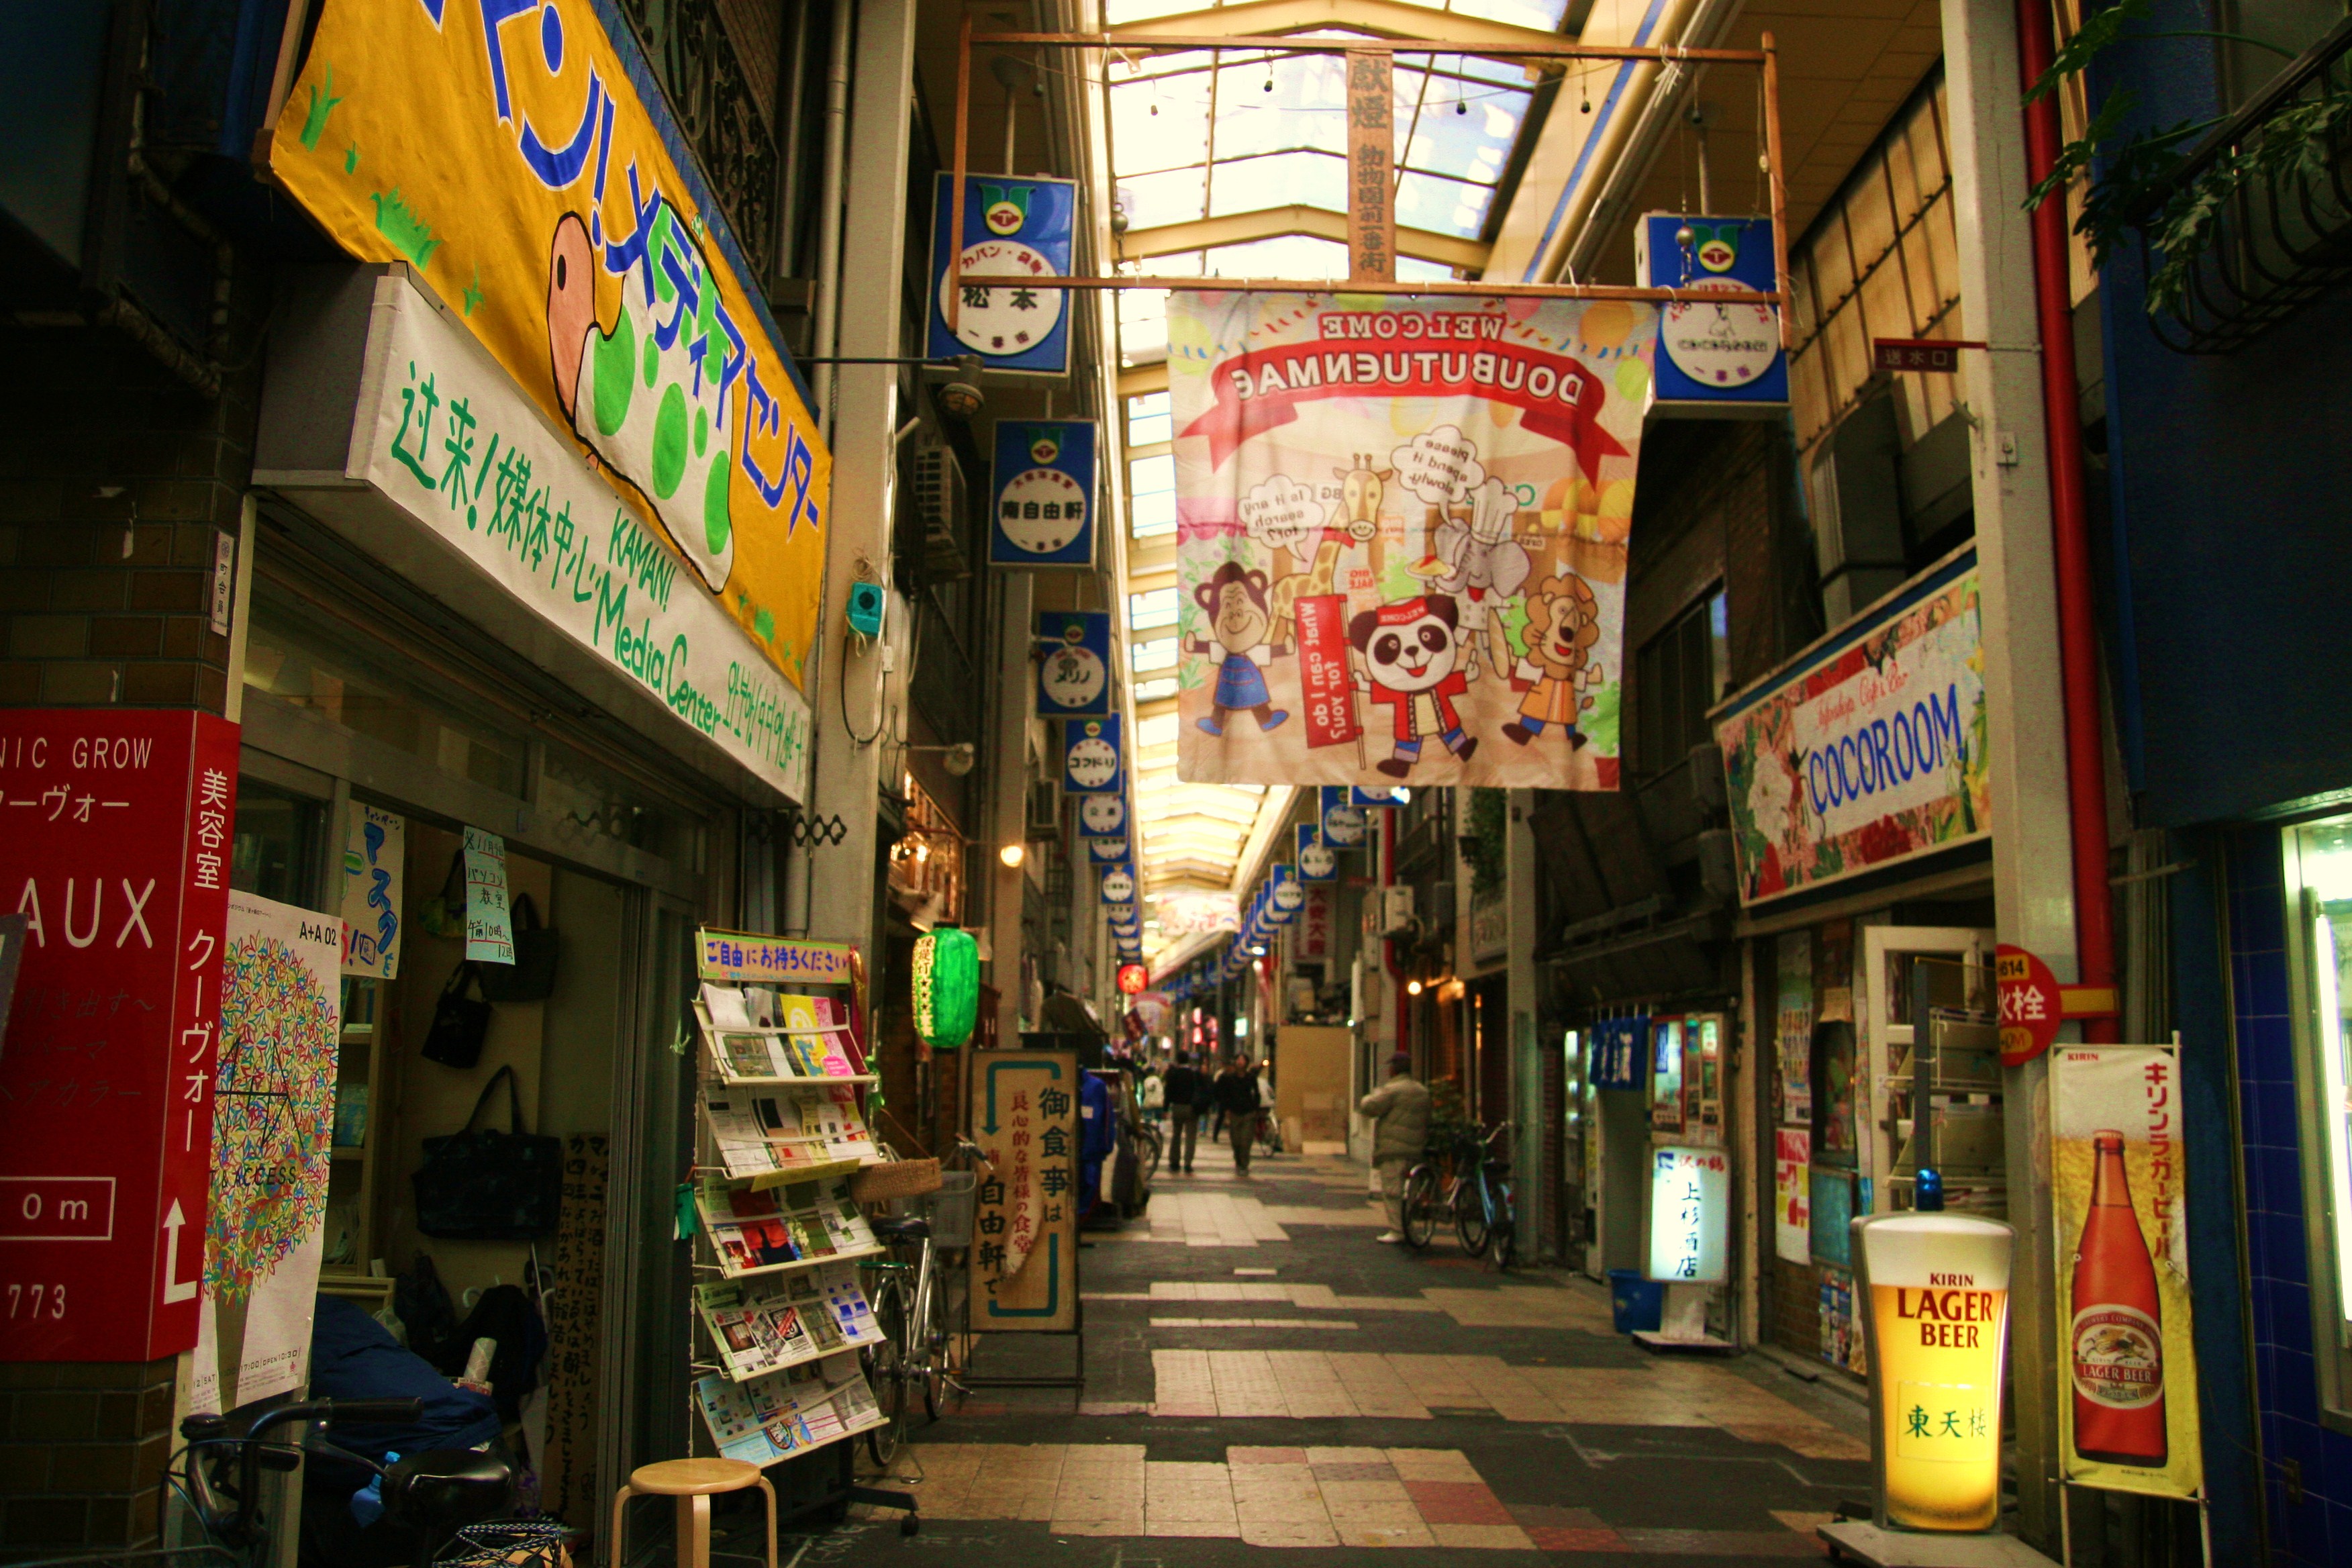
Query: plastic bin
[1635, 1304]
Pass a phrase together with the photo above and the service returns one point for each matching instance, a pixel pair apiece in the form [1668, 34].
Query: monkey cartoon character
[1563, 623]
[1485, 567]
[1235, 600]
[1409, 648]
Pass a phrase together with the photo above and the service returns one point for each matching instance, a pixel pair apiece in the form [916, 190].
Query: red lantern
[1133, 979]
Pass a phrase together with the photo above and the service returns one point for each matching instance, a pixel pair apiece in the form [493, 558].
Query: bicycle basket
[950, 1209]
[894, 1179]
[511, 1543]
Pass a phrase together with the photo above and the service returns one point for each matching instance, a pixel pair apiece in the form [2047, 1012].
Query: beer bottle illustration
[2118, 1328]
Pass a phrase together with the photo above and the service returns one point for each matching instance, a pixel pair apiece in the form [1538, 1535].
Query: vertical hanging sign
[1371, 149]
[1044, 476]
[1073, 664]
[2127, 1404]
[1025, 1257]
[1091, 764]
[1016, 233]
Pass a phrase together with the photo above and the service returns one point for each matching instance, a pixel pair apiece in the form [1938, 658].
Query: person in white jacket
[1401, 1109]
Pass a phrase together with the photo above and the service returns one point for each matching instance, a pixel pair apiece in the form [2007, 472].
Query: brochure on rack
[757, 1229]
[766, 1324]
[785, 1412]
[801, 1133]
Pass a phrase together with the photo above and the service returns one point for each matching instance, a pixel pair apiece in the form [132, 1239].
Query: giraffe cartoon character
[1354, 522]
[1563, 623]
[1235, 599]
[1409, 651]
[647, 396]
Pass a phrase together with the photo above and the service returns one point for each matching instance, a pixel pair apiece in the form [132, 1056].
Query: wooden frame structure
[1373, 266]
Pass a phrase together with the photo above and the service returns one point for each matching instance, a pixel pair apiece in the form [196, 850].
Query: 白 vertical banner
[1401, 535]
[2128, 1400]
[1025, 1260]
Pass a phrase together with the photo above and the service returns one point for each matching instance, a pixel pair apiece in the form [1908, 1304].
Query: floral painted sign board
[1869, 749]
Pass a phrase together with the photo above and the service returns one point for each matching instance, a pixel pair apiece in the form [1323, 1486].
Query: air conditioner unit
[1043, 819]
[940, 507]
[1391, 910]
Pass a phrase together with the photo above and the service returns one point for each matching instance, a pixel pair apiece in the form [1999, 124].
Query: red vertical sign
[1323, 669]
[115, 829]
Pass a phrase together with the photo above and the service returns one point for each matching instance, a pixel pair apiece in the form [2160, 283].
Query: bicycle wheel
[1470, 1217]
[1506, 1240]
[1420, 1206]
[1147, 1148]
[935, 1345]
[887, 1371]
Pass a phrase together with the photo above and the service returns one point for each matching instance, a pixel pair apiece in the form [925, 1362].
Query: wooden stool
[692, 1482]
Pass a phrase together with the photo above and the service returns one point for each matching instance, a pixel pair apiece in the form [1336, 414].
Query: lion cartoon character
[1563, 623]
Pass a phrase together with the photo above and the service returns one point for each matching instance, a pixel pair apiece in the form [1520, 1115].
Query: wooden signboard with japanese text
[1024, 1113]
[1371, 150]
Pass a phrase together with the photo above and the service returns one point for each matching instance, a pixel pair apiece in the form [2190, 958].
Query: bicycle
[913, 1321]
[1482, 1212]
[217, 1475]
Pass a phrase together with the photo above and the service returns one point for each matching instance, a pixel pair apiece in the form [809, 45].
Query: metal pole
[962, 160]
[828, 232]
[1779, 186]
[1448, 288]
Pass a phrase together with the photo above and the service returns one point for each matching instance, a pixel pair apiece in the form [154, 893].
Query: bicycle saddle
[911, 1229]
[441, 1493]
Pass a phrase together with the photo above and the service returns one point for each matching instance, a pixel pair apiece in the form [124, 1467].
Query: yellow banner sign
[514, 155]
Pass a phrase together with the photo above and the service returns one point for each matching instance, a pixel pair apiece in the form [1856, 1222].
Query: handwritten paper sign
[490, 920]
[375, 853]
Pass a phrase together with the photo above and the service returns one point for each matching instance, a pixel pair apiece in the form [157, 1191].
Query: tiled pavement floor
[1280, 1382]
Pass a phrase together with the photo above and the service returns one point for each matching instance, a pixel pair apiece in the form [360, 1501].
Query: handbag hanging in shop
[532, 976]
[459, 1021]
[490, 1185]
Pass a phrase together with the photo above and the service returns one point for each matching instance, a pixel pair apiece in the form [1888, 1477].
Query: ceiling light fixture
[1013, 853]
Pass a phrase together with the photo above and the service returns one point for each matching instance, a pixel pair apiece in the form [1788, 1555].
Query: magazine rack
[781, 1125]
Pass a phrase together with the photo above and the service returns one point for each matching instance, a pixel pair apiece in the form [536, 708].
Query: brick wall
[115, 480]
[81, 1446]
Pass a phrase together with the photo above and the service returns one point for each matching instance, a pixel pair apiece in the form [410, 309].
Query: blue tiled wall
[2318, 1529]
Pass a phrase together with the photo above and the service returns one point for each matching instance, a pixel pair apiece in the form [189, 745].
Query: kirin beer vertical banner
[1401, 537]
[2127, 1398]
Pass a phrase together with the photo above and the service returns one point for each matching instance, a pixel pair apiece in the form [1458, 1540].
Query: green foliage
[2135, 185]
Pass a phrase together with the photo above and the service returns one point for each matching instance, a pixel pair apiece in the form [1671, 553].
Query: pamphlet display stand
[781, 1127]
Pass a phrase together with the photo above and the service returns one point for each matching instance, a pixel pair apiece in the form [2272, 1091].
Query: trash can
[1635, 1303]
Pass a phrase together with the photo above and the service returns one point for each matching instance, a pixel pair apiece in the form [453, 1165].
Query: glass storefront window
[274, 851]
[2319, 859]
[306, 666]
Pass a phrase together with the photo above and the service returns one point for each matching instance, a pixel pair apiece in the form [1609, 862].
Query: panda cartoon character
[1409, 651]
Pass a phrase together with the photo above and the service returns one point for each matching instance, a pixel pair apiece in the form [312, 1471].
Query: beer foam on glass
[1937, 1286]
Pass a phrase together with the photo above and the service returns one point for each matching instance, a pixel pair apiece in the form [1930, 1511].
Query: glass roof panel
[1284, 100]
[1153, 201]
[1448, 206]
[1466, 132]
[1279, 179]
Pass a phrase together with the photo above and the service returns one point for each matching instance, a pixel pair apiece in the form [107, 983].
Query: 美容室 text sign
[1869, 750]
[114, 845]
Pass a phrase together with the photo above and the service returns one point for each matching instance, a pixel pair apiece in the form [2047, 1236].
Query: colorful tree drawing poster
[265, 1226]
[1402, 536]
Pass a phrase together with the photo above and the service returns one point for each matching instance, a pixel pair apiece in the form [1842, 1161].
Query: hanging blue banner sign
[1119, 886]
[1343, 821]
[1090, 761]
[1024, 228]
[1103, 815]
[1714, 354]
[1621, 1053]
[1073, 664]
[1365, 799]
[1044, 513]
[1283, 897]
[1318, 861]
[1108, 851]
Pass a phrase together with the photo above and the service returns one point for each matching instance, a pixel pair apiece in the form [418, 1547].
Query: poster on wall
[1793, 1027]
[489, 906]
[1402, 536]
[1025, 1253]
[518, 159]
[273, 1122]
[2127, 1393]
[375, 855]
[1869, 751]
[1792, 1218]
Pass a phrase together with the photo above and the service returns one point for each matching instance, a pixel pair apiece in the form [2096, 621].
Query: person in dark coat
[1182, 1095]
[1237, 1097]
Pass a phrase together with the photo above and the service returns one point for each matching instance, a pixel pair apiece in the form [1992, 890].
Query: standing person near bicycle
[1400, 1111]
[1237, 1097]
[1182, 1091]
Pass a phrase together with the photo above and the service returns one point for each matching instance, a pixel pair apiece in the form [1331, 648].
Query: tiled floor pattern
[1197, 1217]
[1509, 1307]
[1310, 1382]
[1289, 1497]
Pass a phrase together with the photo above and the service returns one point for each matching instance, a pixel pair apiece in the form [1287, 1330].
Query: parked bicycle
[430, 1497]
[1476, 1194]
[909, 1296]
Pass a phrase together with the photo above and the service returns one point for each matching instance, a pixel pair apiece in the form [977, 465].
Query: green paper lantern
[947, 986]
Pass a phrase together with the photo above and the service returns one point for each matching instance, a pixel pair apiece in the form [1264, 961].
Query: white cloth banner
[1402, 536]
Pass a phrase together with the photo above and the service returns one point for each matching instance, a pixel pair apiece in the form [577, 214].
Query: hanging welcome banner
[520, 159]
[1401, 537]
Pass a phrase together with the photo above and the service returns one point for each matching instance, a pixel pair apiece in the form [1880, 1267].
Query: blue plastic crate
[1635, 1304]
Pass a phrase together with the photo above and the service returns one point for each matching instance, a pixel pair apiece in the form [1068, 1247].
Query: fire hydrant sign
[114, 846]
[1025, 1221]
[2031, 1007]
